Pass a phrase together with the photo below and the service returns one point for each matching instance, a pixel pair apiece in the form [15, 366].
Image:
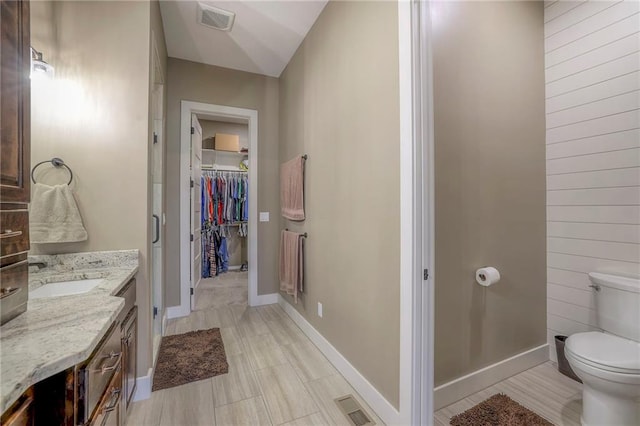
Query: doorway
[219, 199]
[221, 114]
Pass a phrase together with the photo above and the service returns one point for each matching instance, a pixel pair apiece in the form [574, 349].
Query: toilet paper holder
[487, 275]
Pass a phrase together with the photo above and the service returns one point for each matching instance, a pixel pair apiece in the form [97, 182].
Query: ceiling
[264, 37]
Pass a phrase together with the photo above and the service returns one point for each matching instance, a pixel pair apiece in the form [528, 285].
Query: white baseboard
[265, 299]
[178, 311]
[143, 386]
[458, 389]
[383, 408]
[164, 321]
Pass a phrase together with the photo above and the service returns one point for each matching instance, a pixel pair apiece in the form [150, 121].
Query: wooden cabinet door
[130, 340]
[15, 69]
[21, 413]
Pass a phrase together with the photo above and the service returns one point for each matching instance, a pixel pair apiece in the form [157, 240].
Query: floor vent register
[353, 411]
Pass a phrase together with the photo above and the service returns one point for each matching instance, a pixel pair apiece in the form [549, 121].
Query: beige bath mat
[499, 410]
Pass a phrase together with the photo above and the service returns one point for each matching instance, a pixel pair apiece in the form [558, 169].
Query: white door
[196, 237]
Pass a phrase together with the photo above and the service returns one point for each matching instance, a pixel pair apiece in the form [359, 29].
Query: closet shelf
[220, 168]
[215, 151]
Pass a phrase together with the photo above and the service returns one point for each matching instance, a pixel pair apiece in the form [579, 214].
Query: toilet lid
[605, 351]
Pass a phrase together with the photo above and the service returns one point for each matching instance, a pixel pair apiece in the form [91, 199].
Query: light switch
[264, 216]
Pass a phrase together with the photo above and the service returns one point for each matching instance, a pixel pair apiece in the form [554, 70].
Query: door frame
[250, 116]
[417, 236]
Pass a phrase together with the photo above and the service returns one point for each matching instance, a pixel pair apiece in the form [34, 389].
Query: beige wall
[209, 84]
[93, 115]
[489, 182]
[339, 103]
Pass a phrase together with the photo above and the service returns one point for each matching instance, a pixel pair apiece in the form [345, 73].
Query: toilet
[608, 361]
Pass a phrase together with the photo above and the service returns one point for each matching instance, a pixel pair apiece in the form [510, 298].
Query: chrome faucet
[40, 265]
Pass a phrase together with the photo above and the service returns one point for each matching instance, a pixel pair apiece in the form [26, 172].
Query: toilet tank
[618, 304]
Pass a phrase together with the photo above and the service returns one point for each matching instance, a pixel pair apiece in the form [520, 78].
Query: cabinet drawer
[14, 290]
[95, 376]
[109, 410]
[14, 232]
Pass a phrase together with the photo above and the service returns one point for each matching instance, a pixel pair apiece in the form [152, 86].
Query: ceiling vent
[213, 17]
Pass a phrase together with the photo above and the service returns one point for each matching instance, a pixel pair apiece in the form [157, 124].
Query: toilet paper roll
[487, 276]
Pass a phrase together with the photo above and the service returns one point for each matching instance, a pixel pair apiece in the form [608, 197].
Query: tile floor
[276, 375]
[541, 389]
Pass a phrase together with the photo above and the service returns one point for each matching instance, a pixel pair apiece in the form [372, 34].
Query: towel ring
[57, 162]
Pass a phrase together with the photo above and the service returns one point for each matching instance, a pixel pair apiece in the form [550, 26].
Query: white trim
[458, 389]
[177, 311]
[164, 323]
[416, 213]
[409, 234]
[424, 160]
[383, 408]
[143, 386]
[266, 299]
[220, 112]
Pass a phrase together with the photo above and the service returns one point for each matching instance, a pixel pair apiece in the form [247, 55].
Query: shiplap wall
[592, 61]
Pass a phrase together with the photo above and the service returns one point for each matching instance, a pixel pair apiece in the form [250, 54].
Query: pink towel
[292, 189]
[291, 263]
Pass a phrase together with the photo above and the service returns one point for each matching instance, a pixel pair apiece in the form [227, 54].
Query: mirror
[92, 112]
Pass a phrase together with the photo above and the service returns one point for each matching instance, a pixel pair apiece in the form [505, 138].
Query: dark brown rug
[189, 357]
[499, 410]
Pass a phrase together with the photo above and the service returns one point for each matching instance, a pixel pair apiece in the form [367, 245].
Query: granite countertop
[56, 333]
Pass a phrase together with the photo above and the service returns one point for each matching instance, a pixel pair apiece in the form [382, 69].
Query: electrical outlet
[320, 309]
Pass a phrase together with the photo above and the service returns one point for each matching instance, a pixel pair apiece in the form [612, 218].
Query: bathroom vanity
[68, 325]
[71, 359]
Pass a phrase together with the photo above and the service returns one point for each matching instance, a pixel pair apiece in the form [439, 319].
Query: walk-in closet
[224, 214]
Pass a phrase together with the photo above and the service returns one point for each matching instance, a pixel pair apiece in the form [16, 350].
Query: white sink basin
[64, 288]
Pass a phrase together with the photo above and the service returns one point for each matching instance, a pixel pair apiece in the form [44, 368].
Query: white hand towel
[54, 216]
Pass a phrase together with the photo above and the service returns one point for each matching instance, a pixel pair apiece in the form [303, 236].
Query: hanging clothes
[224, 203]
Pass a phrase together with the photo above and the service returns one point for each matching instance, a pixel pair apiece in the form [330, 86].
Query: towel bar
[303, 235]
[57, 162]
